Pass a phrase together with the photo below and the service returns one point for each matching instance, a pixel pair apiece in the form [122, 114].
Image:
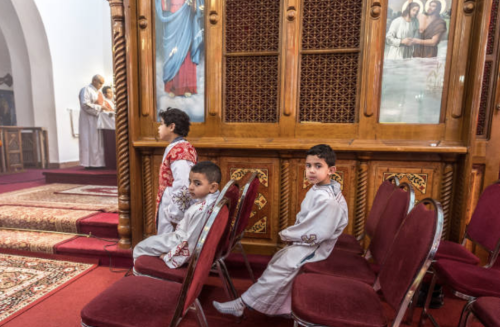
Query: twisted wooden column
[284, 197]
[122, 139]
[361, 195]
[149, 205]
[446, 194]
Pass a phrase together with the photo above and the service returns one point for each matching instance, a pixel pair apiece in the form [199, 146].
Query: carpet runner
[95, 190]
[26, 280]
[49, 196]
[44, 242]
[48, 219]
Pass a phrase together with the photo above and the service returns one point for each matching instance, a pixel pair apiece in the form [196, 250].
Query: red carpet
[26, 280]
[103, 225]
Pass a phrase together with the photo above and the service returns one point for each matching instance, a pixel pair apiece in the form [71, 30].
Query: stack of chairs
[457, 270]
[484, 309]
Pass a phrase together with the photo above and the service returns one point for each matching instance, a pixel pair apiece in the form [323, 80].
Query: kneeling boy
[321, 220]
[175, 248]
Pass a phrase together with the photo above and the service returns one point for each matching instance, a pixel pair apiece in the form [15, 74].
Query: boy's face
[317, 170]
[199, 186]
[166, 133]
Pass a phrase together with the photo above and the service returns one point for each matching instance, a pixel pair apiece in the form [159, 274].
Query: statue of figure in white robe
[90, 138]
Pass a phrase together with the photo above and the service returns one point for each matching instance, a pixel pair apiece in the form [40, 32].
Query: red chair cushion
[343, 264]
[484, 226]
[383, 194]
[156, 267]
[486, 309]
[471, 280]
[133, 301]
[453, 251]
[347, 242]
[334, 301]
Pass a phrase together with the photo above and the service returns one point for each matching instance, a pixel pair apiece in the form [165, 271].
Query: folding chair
[350, 265]
[482, 230]
[138, 301]
[322, 300]
[347, 242]
[484, 309]
[155, 267]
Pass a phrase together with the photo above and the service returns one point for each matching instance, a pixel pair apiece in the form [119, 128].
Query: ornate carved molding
[284, 196]
[375, 10]
[122, 137]
[147, 189]
[446, 195]
[361, 195]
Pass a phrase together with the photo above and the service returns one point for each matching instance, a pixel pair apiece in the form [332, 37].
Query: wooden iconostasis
[271, 78]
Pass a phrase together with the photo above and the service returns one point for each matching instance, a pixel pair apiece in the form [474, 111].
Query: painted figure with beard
[402, 32]
[432, 29]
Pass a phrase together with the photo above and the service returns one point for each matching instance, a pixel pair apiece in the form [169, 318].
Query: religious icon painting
[7, 108]
[180, 56]
[416, 45]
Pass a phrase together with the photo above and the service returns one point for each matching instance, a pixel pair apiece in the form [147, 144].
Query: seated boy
[322, 218]
[175, 248]
[173, 197]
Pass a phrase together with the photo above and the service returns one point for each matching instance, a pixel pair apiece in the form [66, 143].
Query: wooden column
[285, 194]
[122, 137]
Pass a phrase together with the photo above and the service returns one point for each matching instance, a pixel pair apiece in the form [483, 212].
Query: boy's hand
[163, 256]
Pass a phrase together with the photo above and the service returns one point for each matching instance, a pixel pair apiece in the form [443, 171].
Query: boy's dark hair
[209, 169]
[323, 151]
[179, 118]
[105, 89]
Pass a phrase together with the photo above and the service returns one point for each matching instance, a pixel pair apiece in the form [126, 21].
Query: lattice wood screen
[490, 67]
[251, 61]
[328, 81]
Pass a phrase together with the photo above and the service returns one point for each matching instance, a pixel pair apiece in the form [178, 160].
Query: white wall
[5, 66]
[79, 37]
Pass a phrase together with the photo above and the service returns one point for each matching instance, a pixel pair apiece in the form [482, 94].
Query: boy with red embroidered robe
[173, 197]
[175, 248]
[321, 220]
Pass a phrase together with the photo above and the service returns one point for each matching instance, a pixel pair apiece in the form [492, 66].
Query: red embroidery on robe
[180, 151]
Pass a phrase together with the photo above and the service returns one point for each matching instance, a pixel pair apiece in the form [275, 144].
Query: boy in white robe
[322, 218]
[173, 198]
[175, 248]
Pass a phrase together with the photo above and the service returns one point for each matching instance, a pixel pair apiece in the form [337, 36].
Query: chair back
[202, 259]
[247, 199]
[384, 192]
[484, 226]
[397, 207]
[231, 192]
[410, 255]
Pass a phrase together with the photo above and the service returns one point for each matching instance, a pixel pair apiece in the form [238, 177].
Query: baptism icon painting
[180, 71]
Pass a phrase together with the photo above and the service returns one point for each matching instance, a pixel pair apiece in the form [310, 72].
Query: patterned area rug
[49, 219]
[31, 241]
[49, 196]
[96, 190]
[24, 280]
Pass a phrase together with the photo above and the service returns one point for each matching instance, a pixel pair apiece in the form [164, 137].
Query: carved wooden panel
[328, 87]
[30, 158]
[13, 149]
[252, 25]
[423, 176]
[251, 93]
[331, 24]
[263, 221]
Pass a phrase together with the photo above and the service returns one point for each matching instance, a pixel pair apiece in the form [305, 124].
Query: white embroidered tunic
[176, 198]
[321, 220]
[90, 138]
[179, 245]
